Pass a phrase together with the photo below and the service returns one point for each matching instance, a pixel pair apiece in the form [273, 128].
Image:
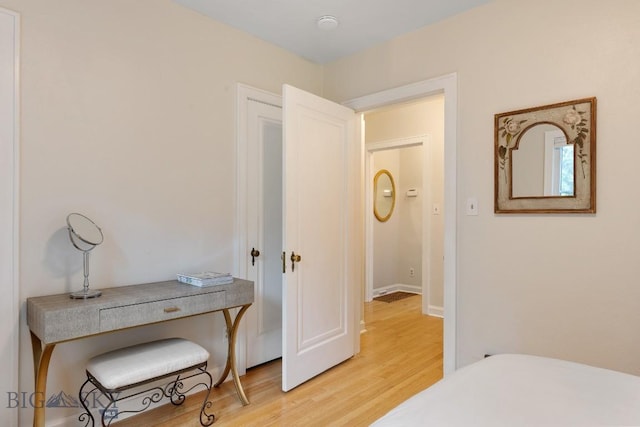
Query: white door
[322, 170]
[9, 317]
[264, 224]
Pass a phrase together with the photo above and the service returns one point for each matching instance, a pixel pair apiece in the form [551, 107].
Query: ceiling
[292, 24]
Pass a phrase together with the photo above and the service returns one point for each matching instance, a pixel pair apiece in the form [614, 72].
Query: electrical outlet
[412, 272]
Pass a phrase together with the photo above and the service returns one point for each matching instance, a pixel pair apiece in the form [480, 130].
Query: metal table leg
[41, 358]
[232, 331]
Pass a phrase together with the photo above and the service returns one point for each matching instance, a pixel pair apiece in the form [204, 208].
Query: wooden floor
[401, 353]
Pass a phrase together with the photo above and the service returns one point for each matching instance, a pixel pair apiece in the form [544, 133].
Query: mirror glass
[542, 163]
[84, 230]
[384, 195]
[545, 159]
[85, 235]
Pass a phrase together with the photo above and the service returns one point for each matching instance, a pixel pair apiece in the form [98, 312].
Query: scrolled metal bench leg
[172, 391]
[205, 418]
[88, 416]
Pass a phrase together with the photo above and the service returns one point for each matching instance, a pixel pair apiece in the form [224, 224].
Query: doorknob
[294, 258]
[254, 254]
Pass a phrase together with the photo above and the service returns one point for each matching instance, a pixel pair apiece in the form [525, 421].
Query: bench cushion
[141, 362]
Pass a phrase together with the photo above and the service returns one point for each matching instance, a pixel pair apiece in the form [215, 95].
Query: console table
[55, 319]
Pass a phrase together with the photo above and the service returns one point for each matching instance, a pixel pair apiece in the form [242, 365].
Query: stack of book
[206, 278]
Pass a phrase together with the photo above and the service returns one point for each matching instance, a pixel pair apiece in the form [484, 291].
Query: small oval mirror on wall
[384, 195]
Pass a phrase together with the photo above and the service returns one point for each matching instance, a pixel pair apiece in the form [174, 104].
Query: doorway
[319, 216]
[447, 85]
[259, 119]
[264, 223]
[394, 247]
[412, 257]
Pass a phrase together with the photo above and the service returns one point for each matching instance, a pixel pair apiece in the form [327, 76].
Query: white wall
[386, 241]
[397, 243]
[555, 285]
[410, 214]
[128, 117]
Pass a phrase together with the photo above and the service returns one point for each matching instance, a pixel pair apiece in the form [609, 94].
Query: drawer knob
[171, 309]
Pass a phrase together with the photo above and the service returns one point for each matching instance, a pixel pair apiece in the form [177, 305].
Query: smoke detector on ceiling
[327, 22]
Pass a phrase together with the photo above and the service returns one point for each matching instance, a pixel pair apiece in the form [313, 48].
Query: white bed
[519, 390]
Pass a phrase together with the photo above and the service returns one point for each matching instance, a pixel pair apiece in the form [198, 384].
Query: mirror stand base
[84, 294]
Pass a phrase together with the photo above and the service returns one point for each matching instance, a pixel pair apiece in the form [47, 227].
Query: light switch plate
[472, 206]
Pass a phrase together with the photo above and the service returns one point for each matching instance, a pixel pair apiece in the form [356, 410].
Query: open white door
[321, 176]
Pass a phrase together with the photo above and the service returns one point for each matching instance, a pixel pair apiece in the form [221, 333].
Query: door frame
[447, 85]
[9, 214]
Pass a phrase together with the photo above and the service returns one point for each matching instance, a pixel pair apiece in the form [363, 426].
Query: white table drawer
[157, 311]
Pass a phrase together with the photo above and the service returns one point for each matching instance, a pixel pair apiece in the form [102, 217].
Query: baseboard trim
[434, 310]
[397, 287]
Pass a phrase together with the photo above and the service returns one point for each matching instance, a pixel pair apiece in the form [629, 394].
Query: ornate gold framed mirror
[384, 195]
[545, 159]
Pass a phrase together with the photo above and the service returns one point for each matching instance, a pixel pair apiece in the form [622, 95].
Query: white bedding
[519, 390]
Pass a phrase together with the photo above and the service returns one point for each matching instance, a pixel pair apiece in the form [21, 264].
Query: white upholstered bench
[121, 370]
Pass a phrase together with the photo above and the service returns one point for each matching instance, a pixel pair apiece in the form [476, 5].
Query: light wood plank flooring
[401, 354]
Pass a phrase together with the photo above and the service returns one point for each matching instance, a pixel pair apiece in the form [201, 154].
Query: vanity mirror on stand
[545, 159]
[85, 235]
